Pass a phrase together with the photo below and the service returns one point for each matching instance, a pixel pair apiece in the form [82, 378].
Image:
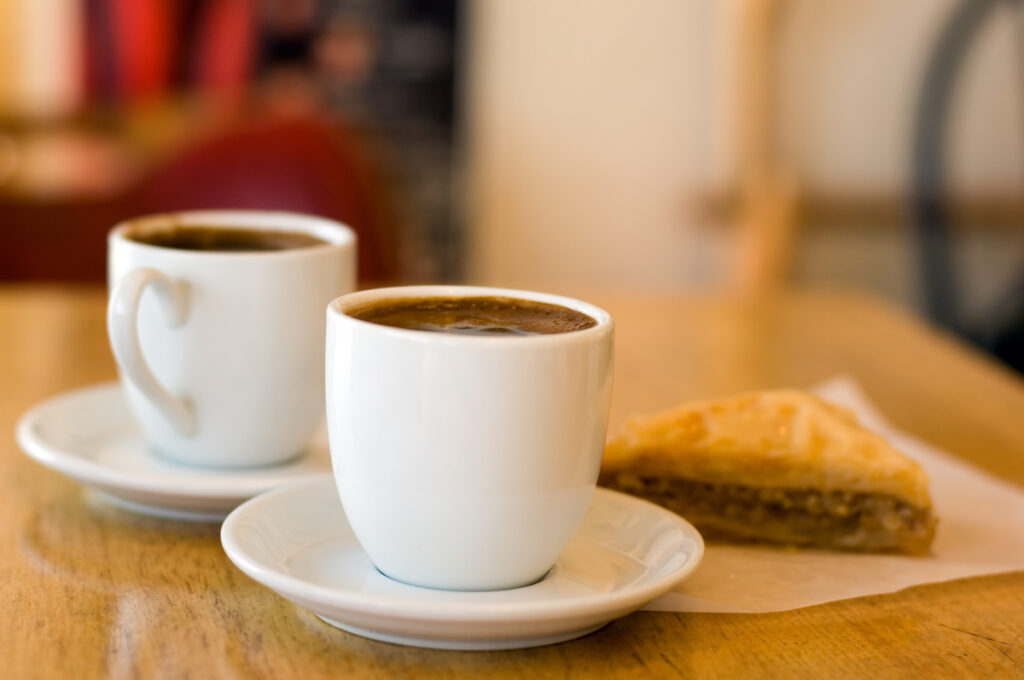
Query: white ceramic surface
[465, 461]
[91, 436]
[224, 363]
[297, 542]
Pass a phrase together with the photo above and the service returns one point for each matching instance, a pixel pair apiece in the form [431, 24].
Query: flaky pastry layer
[782, 438]
[781, 466]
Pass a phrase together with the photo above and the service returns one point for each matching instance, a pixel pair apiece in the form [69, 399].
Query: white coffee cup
[221, 352]
[465, 462]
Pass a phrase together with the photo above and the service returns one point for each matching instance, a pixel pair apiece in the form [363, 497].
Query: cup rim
[336, 312]
[335, 234]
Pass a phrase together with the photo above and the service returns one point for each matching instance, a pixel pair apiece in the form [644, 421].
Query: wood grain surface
[89, 591]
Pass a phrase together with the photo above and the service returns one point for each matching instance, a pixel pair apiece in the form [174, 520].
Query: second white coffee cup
[221, 350]
[465, 462]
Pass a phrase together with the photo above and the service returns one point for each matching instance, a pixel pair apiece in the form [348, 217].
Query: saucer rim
[612, 603]
[231, 485]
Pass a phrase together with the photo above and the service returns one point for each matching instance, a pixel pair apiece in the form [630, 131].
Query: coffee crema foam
[221, 239]
[479, 315]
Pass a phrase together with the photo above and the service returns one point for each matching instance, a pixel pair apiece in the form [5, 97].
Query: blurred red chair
[299, 165]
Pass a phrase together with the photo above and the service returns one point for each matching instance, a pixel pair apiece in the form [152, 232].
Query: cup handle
[122, 326]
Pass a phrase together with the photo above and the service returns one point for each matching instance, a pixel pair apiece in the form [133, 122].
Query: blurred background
[736, 145]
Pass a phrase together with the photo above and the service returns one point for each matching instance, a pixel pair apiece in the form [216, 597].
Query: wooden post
[766, 219]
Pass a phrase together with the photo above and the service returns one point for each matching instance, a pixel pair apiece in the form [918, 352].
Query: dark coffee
[485, 315]
[222, 239]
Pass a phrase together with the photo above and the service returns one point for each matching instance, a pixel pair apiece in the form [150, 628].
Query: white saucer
[296, 541]
[91, 436]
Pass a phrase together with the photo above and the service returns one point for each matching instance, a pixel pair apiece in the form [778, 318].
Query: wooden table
[89, 591]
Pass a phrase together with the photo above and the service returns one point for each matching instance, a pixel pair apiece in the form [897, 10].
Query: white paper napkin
[980, 531]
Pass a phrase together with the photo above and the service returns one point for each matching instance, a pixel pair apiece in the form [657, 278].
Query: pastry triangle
[777, 466]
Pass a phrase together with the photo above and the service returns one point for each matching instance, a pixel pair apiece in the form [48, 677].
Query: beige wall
[40, 58]
[593, 124]
[588, 122]
[850, 74]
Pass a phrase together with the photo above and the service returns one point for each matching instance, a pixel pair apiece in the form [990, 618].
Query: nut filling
[838, 519]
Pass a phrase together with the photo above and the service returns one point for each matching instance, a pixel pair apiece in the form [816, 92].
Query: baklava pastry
[781, 467]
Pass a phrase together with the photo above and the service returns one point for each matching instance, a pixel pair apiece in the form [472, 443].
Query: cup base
[472, 589]
[192, 461]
